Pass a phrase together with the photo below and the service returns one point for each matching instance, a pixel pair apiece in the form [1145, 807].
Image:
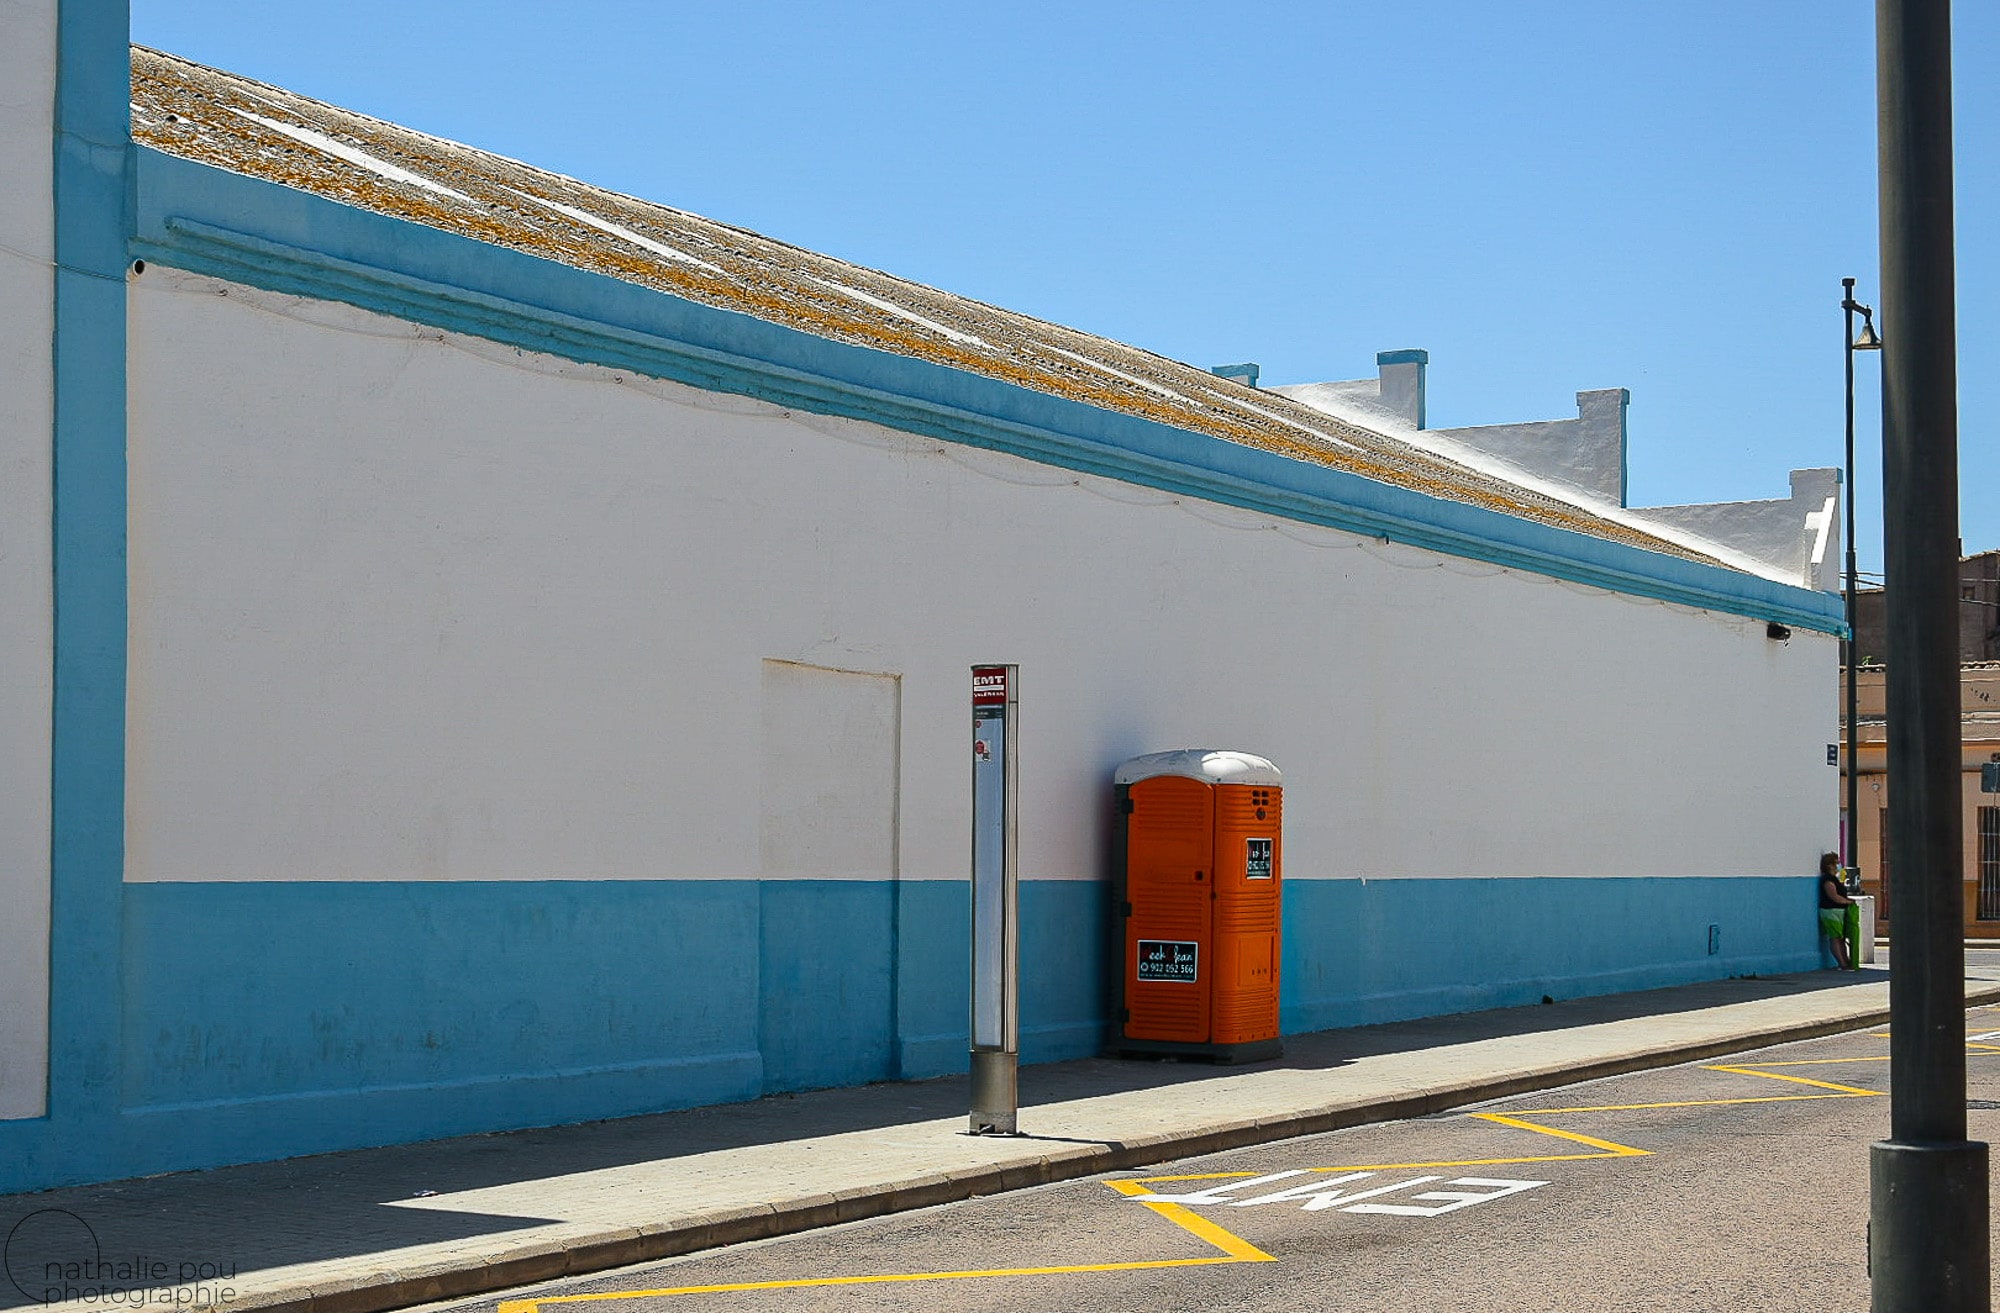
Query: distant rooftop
[216, 118]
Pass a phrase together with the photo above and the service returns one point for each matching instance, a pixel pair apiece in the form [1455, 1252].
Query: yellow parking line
[1391, 1167]
[1685, 1103]
[1800, 1080]
[1610, 1149]
[1837, 1092]
[1470, 1162]
[1234, 1249]
[1813, 1062]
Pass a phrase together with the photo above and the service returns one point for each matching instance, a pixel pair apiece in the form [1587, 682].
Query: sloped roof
[230, 122]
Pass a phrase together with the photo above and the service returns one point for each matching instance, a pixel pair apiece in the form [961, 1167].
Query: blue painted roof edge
[209, 220]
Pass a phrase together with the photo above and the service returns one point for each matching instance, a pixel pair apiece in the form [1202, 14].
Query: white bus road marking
[1454, 1199]
[1317, 1198]
[1314, 1196]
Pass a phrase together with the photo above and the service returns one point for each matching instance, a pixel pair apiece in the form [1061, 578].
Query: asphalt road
[1734, 1184]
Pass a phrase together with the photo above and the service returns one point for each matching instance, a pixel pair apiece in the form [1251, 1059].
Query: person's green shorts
[1833, 922]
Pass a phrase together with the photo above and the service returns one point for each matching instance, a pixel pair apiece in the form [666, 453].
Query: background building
[1979, 677]
[1979, 684]
[1978, 615]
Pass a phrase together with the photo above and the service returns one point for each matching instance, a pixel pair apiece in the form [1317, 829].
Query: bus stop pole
[995, 901]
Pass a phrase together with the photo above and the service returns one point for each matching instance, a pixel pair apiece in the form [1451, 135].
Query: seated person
[1833, 905]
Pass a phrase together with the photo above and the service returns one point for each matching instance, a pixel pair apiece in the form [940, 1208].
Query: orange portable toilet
[1197, 873]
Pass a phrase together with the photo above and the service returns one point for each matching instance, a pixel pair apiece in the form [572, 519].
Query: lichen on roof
[230, 122]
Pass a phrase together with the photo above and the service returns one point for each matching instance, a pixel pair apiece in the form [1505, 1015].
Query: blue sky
[1548, 195]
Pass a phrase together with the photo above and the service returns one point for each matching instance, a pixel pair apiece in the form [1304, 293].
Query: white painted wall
[27, 321]
[414, 607]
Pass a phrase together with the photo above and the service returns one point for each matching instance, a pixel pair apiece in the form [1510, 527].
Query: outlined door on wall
[827, 848]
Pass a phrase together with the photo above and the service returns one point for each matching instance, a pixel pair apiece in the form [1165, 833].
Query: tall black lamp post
[1928, 1237]
[1867, 341]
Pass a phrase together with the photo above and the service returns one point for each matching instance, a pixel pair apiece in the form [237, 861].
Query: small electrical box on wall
[1198, 874]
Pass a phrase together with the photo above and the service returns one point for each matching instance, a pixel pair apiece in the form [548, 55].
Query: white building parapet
[1793, 539]
[1798, 535]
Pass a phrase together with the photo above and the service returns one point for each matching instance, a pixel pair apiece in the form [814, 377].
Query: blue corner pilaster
[87, 813]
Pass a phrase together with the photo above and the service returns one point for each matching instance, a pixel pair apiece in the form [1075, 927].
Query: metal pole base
[995, 1097]
[1927, 1239]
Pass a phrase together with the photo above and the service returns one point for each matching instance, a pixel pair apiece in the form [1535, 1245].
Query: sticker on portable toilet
[1168, 959]
[1257, 860]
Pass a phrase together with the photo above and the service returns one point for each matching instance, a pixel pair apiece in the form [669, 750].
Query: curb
[622, 1247]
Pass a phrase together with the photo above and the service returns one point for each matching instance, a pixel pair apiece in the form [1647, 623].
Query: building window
[1882, 864]
[1989, 863]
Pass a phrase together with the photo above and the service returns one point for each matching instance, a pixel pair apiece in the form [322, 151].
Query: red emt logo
[989, 686]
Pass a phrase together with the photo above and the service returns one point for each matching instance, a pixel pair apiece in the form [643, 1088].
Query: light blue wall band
[1358, 953]
[264, 1020]
[212, 221]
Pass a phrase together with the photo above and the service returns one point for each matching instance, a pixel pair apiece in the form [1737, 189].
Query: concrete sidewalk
[385, 1228]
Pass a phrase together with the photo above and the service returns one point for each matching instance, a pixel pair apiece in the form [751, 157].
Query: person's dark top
[1831, 895]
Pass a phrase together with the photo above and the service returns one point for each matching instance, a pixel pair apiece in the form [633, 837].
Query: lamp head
[1866, 340]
